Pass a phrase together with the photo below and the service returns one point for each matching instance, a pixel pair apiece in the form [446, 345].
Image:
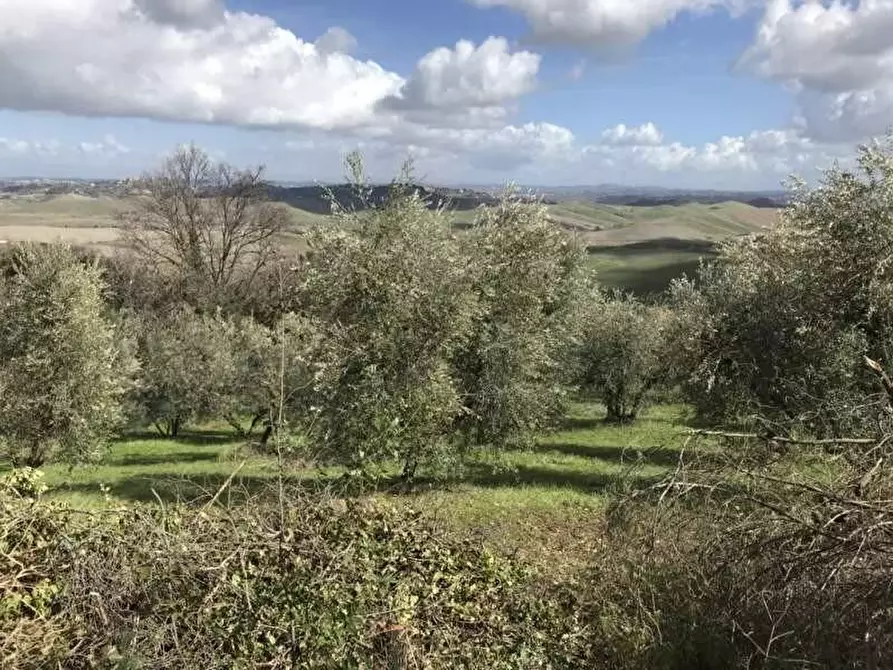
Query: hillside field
[632, 248]
[644, 270]
[524, 498]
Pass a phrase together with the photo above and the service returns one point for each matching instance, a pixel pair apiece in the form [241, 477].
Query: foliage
[135, 284]
[208, 224]
[354, 585]
[782, 319]
[733, 566]
[388, 290]
[32, 534]
[187, 367]
[276, 289]
[525, 274]
[63, 366]
[747, 563]
[272, 370]
[759, 356]
[624, 352]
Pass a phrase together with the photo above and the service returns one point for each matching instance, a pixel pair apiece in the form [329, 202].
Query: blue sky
[696, 93]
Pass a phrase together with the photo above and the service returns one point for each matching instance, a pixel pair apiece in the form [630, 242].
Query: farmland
[633, 248]
[459, 454]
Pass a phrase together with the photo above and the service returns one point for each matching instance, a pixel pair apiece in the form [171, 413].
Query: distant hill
[317, 199]
[600, 224]
[634, 248]
[596, 224]
[652, 196]
[312, 197]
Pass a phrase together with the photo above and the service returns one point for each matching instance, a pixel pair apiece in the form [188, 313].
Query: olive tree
[526, 277]
[64, 367]
[187, 367]
[271, 374]
[388, 288]
[784, 318]
[206, 225]
[625, 353]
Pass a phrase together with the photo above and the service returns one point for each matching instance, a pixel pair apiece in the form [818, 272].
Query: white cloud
[24, 148]
[503, 148]
[119, 58]
[469, 76]
[107, 146]
[761, 153]
[444, 151]
[533, 153]
[336, 40]
[507, 147]
[838, 59]
[603, 23]
[621, 134]
[48, 148]
[548, 154]
[193, 61]
[14, 146]
[829, 48]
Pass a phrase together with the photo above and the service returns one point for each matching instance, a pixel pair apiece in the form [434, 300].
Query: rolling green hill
[634, 248]
[642, 249]
[612, 225]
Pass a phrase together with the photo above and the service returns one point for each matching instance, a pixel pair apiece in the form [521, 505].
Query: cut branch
[785, 440]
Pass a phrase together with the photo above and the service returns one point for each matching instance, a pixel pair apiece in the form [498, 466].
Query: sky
[732, 94]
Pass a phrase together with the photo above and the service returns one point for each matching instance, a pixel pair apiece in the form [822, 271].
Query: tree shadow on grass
[526, 475]
[157, 459]
[197, 438]
[594, 422]
[660, 456]
[173, 487]
[581, 423]
[483, 475]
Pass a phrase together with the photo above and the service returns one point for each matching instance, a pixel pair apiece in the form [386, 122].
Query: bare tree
[208, 222]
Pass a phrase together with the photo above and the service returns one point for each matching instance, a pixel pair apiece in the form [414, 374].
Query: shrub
[350, 585]
[64, 367]
[272, 374]
[625, 353]
[760, 353]
[388, 290]
[749, 566]
[525, 274]
[784, 317]
[188, 368]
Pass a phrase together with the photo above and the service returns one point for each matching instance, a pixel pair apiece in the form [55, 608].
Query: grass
[583, 458]
[580, 462]
[635, 248]
[644, 271]
[545, 501]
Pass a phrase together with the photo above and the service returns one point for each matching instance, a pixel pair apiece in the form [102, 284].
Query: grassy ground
[644, 271]
[691, 221]
[537, 500]
[583, 459]
[545, 503]
[636, 248]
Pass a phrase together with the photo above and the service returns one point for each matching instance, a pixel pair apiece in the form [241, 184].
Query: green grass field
[644, 271]
[515, 497]
[584, 457]
[598, 224]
